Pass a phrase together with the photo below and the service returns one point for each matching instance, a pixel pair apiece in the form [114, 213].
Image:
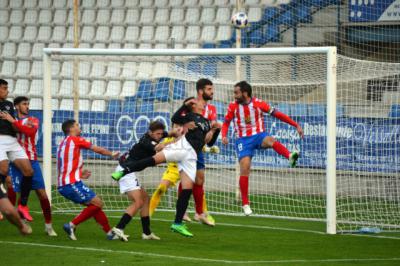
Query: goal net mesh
[119, 96]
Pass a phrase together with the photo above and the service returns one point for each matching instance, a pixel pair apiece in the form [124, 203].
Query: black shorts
[3, 193]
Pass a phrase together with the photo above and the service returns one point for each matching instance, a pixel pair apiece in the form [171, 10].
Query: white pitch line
[269, 228]
[194, 258]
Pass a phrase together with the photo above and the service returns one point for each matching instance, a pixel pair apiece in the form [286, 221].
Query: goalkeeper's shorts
[171, 174]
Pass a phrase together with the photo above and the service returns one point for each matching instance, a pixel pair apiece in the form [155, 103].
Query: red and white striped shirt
[210, 112]
[27, 135]
[69, 159]
[248, 118]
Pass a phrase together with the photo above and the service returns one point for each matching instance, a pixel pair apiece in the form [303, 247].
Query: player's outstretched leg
[186, 216]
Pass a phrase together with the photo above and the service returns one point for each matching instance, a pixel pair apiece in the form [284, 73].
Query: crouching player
[129, 184]
[70, 186]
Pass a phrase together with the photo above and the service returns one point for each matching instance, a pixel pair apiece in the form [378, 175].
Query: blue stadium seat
[129, 107]
[145, 90]
[299, 109]
[194, 66]
[395, 111]
[114, 106]
[256, 37]
[225, 44]
[243, 40]
[304, 14]
[210, 69]
[208, 45]
[146, 106]
[272, 33]
[179, 89]
[180, 65]
[324, 3]
[269, 14]
[221, 107]
[286, 17]
[316, 110]
[162, 89]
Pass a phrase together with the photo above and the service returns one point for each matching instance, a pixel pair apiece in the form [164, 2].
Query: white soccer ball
[240, 20]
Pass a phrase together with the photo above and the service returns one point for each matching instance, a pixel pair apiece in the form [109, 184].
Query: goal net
[356, 184]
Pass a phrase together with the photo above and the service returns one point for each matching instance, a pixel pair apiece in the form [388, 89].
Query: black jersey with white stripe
[196, 136]
[5, 126]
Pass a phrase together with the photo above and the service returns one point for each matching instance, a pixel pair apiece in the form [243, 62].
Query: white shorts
[182, 153]
[128, 183]
[10, 149]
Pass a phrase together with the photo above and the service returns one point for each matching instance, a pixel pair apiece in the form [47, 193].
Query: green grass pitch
[235, 240]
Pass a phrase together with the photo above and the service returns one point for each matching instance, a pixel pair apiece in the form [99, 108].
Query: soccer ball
[240, 20]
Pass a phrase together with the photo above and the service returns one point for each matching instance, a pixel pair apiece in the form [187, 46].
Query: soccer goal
[348, 172]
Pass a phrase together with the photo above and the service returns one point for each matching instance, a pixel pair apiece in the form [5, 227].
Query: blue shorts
[77, 192]
[246, 146]
[37, 179]
[200, 165]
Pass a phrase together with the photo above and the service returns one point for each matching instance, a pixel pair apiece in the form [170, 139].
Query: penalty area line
[144, 254]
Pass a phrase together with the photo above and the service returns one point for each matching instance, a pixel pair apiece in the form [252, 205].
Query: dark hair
[156, 125]
[20, 99]
[202, 83]
[244, 87]
[67, 124]
[3, 82]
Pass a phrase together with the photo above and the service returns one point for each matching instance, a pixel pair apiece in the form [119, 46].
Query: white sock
[48, 226]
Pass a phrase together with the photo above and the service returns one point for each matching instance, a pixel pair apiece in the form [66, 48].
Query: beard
[207, 97]
[240, 100]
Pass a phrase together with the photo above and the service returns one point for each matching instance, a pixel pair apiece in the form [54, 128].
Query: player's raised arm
[225, 126]
[285, 118]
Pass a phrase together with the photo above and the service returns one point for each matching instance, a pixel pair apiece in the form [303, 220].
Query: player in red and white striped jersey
[247, 113]
[27, 135]
[70, 173]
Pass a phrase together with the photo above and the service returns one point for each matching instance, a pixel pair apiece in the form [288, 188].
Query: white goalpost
[126, 88]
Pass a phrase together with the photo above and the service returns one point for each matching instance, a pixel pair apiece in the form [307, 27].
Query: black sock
[137, 166]
[146, 225]
[26, 186]
[181, 205]
[125, 219]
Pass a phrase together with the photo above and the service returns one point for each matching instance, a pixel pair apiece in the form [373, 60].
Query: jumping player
[199, 132]
[247, 113]
[70, 173]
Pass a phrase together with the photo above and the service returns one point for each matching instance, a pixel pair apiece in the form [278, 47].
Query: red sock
[86, 214]
[12, 196]
[244, 189]
[102, 220]
[280, 149]
[179, 188]
[45, 204]
[198, 193]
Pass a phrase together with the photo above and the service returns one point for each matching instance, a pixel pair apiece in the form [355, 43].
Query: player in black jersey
[11, 150]
[184, 151]
[129, 184]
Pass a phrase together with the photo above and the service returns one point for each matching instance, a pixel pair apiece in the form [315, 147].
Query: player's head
[3, 89]
[21, 103]
[205, 89]
[196, 106]
[242, 91]
[71, 128]
[156, 130]
[177, 129]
